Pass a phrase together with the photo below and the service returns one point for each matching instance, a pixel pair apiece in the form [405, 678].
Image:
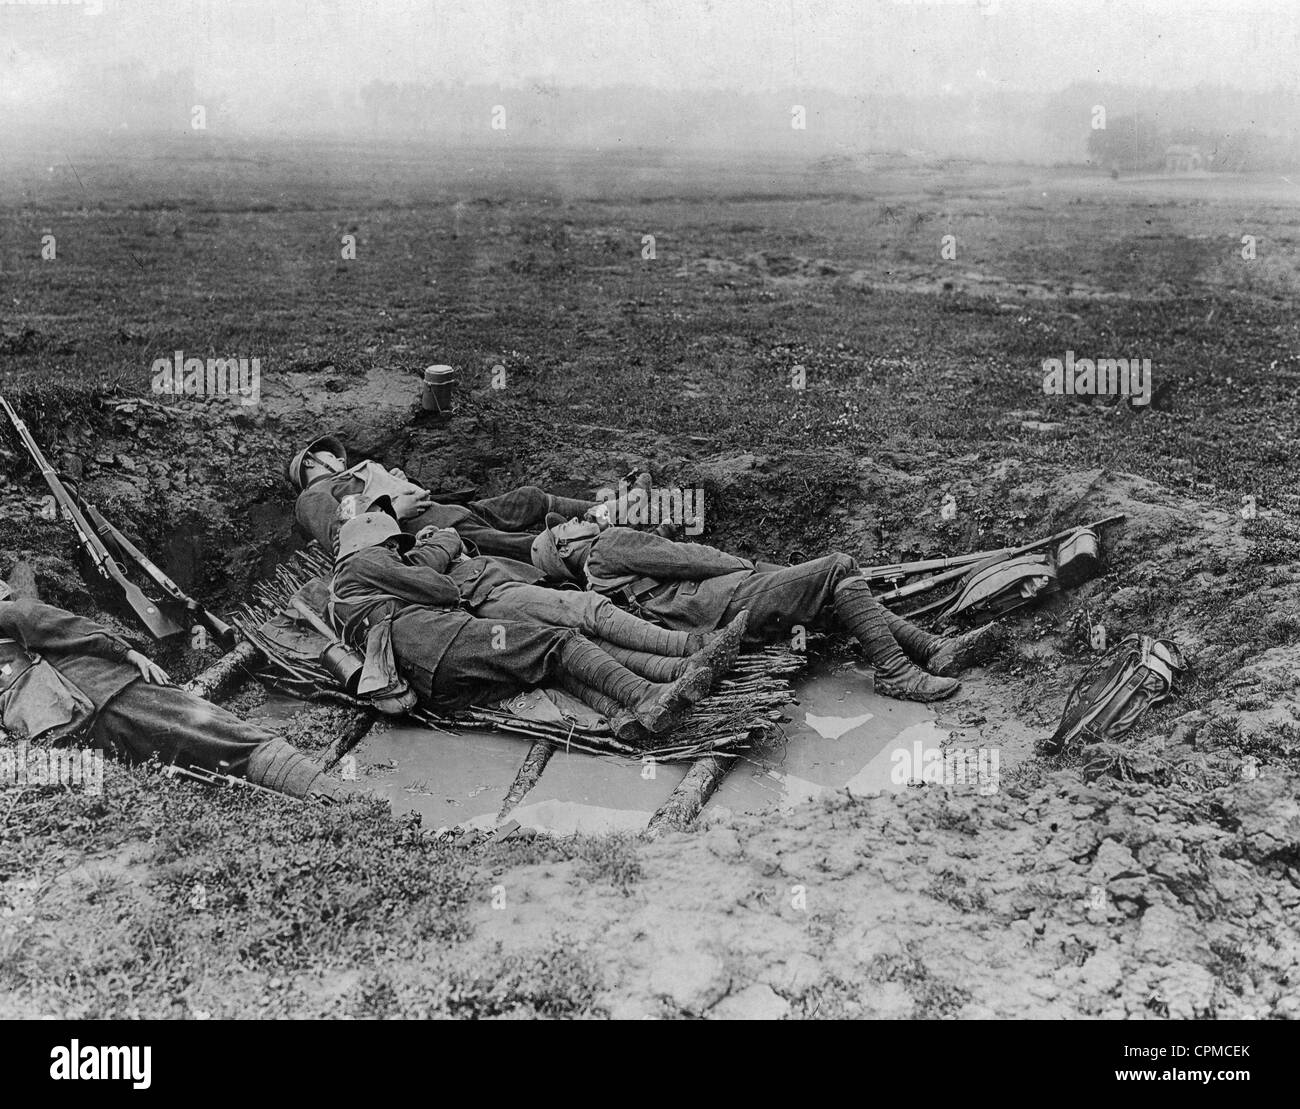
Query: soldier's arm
[315, 512]
[420, 585]
[622, 551]
[42, 627]
[438, 551]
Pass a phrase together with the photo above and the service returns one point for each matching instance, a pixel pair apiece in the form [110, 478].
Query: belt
[640, 589]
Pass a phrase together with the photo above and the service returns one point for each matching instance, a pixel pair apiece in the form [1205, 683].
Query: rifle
[222, 632]
[212, 778]
[896, 571]
[157, 622]
[985, 560]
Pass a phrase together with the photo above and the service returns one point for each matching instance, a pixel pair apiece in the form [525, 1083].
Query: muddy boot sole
[673, 704]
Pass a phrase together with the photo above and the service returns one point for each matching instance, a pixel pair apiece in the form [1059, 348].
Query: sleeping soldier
[504, 589]
[66, 679]
[389, 583]
[503, 525]
[694, 586]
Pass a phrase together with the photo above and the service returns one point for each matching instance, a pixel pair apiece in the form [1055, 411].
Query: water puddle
[579, 793]
[841, 737]
[448, 779]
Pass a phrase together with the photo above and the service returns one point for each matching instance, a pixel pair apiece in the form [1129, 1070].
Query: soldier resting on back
[694, 586]
[388, 584]
[503, 525]
[64, 679]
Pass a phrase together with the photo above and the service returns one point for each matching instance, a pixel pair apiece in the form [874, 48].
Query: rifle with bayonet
[158, 623]
[222, 632]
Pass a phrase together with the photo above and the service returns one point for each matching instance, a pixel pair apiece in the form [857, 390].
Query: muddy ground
[1158, 878]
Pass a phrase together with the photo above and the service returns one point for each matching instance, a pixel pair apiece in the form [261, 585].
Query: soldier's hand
[408, 505]
[150, 671]
[431, 532]
[600, 514]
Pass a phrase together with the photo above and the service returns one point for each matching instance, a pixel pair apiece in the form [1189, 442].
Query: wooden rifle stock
[154, 619]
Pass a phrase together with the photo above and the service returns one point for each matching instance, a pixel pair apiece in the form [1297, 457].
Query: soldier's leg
[780, 599]
[598, 618]
[504, 657]
[472, 528]
[945, 655]
[868, 621]
[525, 508]
[654, 668]
[658, 707]
[145, 720]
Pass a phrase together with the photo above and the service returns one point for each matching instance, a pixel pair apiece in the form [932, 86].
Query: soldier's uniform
[128, 716]
[692, 585]
[453, 659]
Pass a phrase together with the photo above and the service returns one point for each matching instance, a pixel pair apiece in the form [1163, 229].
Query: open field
[923, 379]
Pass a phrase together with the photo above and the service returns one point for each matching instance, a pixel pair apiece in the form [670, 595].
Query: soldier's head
[561, 550]
[371, 529]
[321, 457]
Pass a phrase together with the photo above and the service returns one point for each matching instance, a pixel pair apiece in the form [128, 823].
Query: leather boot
[866, 619]
[720, 648]
[622, 722]
[958, 653]
[658, 706]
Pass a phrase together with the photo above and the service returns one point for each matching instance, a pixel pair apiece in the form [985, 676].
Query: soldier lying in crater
[64, 679]
[503, 525]
[392, 585]
[691, 586]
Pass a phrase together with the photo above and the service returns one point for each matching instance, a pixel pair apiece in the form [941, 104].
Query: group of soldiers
[474, 602]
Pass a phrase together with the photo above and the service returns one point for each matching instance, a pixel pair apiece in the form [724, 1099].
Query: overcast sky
[264, 47]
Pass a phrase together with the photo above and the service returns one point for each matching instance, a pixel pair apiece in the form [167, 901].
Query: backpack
[36, 701]
[1004, 587]
[1114, 691]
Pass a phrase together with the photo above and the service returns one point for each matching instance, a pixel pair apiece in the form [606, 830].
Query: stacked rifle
[105, 547]
[986, 584]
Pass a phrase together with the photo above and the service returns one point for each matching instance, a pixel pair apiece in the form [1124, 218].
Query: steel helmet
[369, 530]
[355, 504]
[295, 471]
